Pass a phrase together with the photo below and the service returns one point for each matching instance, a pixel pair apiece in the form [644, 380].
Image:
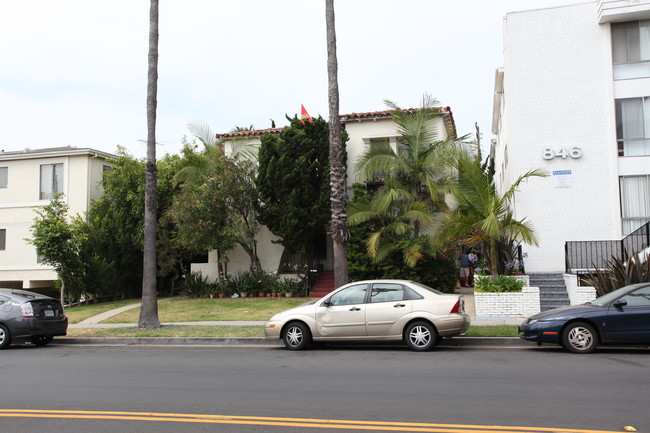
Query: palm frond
[201, 130]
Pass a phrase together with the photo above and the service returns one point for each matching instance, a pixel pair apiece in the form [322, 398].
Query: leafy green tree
[57, 244]
[114, 228]
[219, 212]
[414, 178]
[483, 216]
[293, 183]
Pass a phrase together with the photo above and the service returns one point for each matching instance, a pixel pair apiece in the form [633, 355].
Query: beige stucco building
[363, 129]
[29, 179]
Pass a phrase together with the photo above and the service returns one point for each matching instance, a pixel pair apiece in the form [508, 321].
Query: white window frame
[4, 177]
[631, 49]
[635, 201]
[51, 180]
[633, 126]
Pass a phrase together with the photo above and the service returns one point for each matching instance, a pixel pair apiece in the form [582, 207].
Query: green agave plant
[619, 272]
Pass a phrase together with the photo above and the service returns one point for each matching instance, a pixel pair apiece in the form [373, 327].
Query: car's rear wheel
[5, 337]
[297, 336]
[421, 336]
[579, 337]
[42, 340]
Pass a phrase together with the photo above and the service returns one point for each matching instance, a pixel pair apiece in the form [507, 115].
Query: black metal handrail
[588, 256]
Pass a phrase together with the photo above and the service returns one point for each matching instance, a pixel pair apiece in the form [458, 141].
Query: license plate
[49, 313]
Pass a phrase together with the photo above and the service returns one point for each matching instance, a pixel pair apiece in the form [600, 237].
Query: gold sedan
[375, 310]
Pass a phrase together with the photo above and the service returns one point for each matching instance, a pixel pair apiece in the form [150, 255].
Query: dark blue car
[621, 317]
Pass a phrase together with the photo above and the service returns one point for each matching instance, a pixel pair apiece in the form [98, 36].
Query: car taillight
[27, 309]
[456, 308]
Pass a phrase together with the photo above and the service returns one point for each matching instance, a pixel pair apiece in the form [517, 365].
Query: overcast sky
[74, 72]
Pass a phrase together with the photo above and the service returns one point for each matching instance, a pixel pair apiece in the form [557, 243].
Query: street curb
[219, 341]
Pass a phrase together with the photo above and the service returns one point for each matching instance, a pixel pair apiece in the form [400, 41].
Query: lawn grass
[80, 313]
[171, 331]
[199, 310]
[492, 331]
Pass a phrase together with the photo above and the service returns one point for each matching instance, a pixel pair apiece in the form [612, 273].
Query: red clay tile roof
[448, 118]
[253, 133]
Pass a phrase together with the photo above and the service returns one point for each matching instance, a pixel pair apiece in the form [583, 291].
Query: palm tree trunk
[494, 263]
[338, 197]
[149, 310]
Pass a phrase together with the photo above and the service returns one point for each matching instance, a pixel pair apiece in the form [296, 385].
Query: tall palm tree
[338, 181]
[149, 310]
[483, 215]
[415, 177]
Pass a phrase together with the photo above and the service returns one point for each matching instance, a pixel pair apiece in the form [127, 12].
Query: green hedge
[501, 283]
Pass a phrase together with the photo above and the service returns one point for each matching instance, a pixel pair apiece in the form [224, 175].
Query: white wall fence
[526, 303]
[511, 304]
[577, 294]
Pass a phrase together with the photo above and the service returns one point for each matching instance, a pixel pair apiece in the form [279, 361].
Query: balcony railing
[589, 256]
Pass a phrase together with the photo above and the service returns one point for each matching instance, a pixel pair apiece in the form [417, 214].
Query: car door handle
[399, 305]
[355, 309]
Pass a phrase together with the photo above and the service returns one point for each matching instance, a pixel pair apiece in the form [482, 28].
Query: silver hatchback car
[28, 316]
[375, 310]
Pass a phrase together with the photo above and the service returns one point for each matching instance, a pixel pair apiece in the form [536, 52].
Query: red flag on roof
[304, 115]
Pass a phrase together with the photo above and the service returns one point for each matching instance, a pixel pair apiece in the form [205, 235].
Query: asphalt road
[258, 388]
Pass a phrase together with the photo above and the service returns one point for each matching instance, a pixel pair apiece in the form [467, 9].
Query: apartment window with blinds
[51, 180]
[635, 202]
[631, 49]
[4, 174]
[3, 239]
[633, 126]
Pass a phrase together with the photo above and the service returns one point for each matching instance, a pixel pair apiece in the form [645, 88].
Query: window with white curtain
[631, 49]
[633, 126]
[635, 202]
[51, 180]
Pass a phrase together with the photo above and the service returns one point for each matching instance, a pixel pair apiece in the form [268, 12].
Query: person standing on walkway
[464, 269]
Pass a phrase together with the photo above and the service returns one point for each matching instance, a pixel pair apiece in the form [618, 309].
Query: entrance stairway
[324, 285]
[552, 291]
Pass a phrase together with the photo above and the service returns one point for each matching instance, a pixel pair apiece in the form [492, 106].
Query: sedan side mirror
[620, 303]
[327, 303]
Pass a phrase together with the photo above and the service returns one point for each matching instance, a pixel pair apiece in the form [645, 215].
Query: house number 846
[550, 153]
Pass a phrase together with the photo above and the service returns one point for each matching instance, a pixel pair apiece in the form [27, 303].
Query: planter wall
[578, 294]
[514, 304]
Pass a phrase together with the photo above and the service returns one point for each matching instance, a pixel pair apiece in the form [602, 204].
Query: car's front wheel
[5, 337]
[579, 337]
[297, 336]
[42, 340]
[421, 336]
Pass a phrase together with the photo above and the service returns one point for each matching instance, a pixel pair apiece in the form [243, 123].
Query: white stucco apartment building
[363, 130]
[573, 99]
[29, 179]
